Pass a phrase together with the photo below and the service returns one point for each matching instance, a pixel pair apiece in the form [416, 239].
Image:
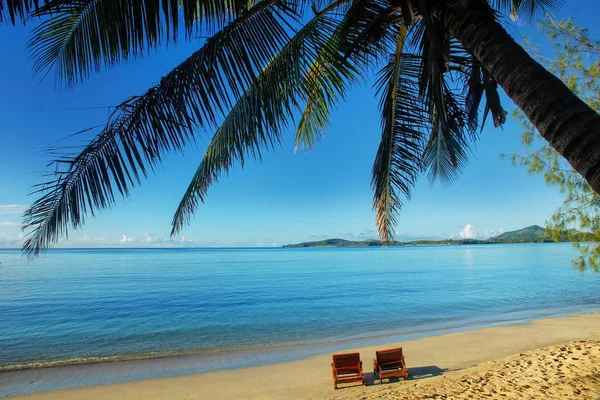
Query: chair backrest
[389, 356]
[346, 360]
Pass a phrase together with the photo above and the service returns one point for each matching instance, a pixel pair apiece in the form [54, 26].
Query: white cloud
[184, 240]
[12, 208]
[148, 237]
[468, 232]
[126, 239]
[7, 224]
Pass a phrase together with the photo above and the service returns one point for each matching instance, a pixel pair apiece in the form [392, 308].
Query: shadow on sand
[426, 372]
[416, 373]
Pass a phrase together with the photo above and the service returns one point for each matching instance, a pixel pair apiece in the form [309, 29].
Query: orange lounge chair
[390, 364]
[347, 368]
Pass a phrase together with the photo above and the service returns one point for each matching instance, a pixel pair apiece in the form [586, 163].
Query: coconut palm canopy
[266, 67]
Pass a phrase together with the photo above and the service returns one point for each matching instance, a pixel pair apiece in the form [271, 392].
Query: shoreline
[476, 346]
[297, 351]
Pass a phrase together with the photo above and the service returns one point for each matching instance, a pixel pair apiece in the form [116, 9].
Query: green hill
[530, 234]
[536, 233]
[336, 243]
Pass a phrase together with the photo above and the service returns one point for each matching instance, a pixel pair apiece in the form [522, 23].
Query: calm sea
[88, 305]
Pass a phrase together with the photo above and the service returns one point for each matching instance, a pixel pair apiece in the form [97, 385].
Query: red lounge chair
[389, 364]
[347, 368]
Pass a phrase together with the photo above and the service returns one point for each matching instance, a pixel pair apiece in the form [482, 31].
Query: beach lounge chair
[390, 364]
[347, 368]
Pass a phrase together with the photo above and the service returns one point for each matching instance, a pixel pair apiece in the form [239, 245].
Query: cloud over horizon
[469, 232]
[126, 239]
[12, 208]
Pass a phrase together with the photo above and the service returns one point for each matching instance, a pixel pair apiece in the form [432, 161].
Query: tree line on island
[530, 234]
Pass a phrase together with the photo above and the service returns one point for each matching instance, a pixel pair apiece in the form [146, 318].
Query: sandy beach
[539, 359]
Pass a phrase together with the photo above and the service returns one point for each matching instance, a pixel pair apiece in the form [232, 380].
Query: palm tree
[267, 63]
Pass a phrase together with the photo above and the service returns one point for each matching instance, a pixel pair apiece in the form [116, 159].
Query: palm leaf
[329, 77]
[526, 8]
[325, 83]
[258, 118]
[78, 37]
[474, 94]
[143, 128]
[493, 103]
[10, 10]
[404, 123]
[446, 153]
[435, 48]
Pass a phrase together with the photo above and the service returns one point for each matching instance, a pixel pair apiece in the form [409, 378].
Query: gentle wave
[85, 307]
[354, 342]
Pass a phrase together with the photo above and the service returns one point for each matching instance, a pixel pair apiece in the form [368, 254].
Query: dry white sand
[453, 366]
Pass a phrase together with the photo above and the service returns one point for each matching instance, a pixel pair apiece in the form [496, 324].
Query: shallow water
[88, 305]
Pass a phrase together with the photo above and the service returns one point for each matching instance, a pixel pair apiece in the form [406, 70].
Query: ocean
[89, 305]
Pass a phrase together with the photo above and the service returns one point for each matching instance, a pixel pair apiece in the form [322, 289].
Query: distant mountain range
[530, 234]
[536, 233]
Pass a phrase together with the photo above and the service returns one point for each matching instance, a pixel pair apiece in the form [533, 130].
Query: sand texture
[543, 359]
[570, 371]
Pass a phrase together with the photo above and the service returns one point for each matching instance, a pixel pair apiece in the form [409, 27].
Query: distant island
[530, 234]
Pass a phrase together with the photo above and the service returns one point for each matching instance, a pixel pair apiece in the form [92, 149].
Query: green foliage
[77, 37]
[533, 231]
[530, 234]
[577, 62]
[537, 233]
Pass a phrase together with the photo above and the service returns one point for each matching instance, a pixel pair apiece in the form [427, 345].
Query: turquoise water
[89, 305]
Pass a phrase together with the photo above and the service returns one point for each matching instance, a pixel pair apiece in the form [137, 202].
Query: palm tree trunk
[565, 121]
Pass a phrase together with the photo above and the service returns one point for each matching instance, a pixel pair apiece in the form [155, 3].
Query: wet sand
[457, 365]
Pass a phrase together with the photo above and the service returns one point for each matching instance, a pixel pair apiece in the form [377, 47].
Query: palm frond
[447, 152]
[143, 128]
[493, 101]
[325, 82]
[361, 39]
[258, 118]
[475, 93]
[78, 37]
[368, 33]
[526, 8]
[11, 10]
[404, 121]
[435, 52]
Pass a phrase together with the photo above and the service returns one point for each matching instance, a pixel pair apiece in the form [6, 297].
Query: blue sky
[286, 198]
